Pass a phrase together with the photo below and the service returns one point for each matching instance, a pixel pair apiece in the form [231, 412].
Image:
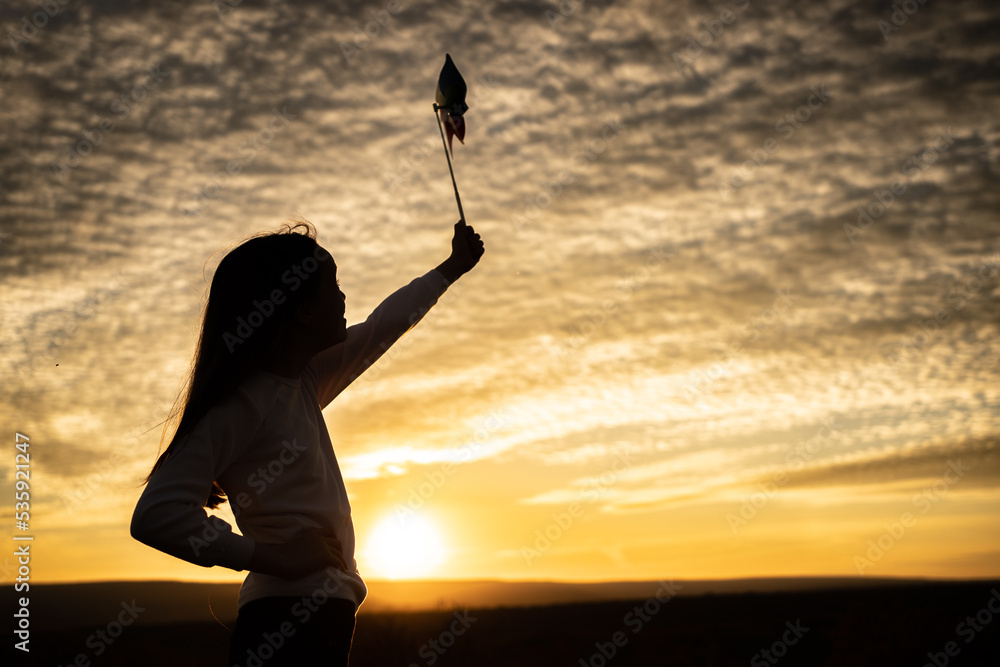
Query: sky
[737, 315]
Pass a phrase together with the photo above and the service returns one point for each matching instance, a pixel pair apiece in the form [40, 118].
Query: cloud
[917, 465]
[563, 326]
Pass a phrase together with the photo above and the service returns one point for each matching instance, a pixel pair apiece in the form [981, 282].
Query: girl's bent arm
[170, 514]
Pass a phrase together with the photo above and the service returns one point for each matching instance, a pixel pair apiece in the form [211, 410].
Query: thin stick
[458, 199]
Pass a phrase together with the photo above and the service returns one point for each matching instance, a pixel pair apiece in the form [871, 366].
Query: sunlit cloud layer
[721, 247]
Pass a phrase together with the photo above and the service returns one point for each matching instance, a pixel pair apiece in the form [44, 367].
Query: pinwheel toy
[449, 109]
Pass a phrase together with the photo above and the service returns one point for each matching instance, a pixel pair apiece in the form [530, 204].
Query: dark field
[886, 625]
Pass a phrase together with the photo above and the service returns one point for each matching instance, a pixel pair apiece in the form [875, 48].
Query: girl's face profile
[332, 304]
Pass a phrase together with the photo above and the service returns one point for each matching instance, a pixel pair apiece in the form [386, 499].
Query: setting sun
[404, 547]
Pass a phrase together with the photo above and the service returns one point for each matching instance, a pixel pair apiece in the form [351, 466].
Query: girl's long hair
[241, 324]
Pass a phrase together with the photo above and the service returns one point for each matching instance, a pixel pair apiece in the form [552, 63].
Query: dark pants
[283, 631]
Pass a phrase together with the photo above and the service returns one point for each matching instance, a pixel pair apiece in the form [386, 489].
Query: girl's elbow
[140, 528]
[137, 529]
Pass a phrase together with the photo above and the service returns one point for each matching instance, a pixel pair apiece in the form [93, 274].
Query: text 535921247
[22, 515]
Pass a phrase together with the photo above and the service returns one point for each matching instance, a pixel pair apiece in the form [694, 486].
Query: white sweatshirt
[268, 446]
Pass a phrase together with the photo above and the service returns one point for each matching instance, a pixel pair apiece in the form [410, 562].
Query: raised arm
[336, 367]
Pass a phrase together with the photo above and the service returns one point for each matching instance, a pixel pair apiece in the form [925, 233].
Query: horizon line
[578, 582]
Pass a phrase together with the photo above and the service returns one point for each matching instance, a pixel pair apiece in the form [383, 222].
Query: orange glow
[715, 333]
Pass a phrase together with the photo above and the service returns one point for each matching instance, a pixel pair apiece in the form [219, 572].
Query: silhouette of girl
[274, 350]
